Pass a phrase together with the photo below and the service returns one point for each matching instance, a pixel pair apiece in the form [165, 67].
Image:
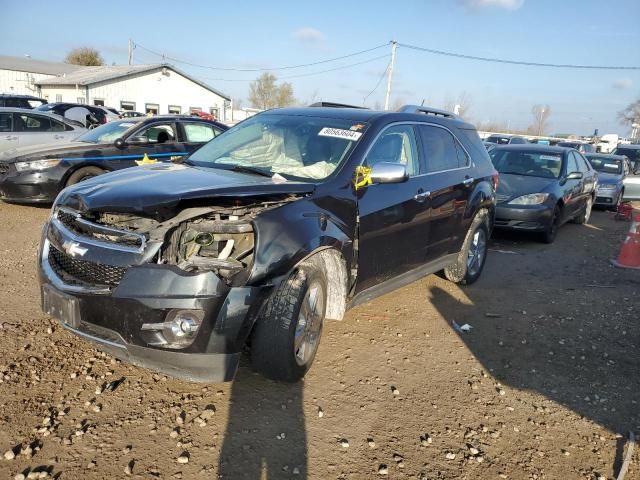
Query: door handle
[421, 196]
[467, 181]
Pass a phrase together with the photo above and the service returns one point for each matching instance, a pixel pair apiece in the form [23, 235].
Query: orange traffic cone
[629, 256]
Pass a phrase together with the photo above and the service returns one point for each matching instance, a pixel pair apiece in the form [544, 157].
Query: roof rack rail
[336, 105]
[426, 111]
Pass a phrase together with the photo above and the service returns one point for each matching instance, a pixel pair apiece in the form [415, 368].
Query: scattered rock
[450, 456]
[9, 455]
[344, 443]
[383, 470]
[184, 458]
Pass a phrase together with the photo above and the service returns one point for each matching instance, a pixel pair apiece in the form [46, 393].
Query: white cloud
[622, 83]
[479, 4]
[308, 35]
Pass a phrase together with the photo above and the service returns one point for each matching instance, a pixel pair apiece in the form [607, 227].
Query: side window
[198, 132]
[32, 123]
[463, 158]
[397, 144]
[572, 166]
[439, 147]
[583, 164]
[56, 126]
[159, 133]
[6, 122]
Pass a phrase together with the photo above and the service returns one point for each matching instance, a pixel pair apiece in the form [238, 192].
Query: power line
[233, 69]
[342, 67]
[516, 62]
[377, 84]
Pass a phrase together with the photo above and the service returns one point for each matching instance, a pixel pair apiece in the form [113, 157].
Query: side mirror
[387, 172]
[141, 140]
[120, 143]
[574, 176]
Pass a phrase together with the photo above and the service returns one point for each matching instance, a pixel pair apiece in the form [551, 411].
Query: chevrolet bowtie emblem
[74, 249]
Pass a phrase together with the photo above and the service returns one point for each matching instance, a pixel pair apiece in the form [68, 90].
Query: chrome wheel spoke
[309, 325]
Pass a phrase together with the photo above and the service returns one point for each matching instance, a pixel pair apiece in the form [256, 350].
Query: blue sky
[253, 34]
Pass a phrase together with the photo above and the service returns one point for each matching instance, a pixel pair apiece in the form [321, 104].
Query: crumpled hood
[516, 185]
[51, 150]
[156, 190]
[609, 178]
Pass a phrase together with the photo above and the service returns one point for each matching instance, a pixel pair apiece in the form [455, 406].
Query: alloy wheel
[309, 326]
[477, 251]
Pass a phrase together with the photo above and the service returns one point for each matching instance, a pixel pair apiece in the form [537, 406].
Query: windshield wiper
[253, 170]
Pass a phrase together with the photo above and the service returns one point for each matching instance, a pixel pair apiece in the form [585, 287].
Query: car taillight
[495, 178]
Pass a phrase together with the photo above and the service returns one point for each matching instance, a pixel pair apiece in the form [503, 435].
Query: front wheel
[585, 215]
[286, 337]
[84, 173]
[470, 262]
[549, 235]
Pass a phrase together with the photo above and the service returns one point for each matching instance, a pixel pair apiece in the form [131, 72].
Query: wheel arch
[75, 167]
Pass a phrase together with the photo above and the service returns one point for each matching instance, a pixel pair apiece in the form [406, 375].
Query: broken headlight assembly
[222, 243]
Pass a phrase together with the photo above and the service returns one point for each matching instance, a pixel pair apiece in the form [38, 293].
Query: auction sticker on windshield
[340, 133]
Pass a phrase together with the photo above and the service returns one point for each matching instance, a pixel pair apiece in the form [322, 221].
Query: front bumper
[111, 317]
[607, 197]
[534, 218]
[30, 187]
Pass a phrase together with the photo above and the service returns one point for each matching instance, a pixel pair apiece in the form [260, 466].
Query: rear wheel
[549, 235]
[470, 262]
[286, 337]
[84, 173]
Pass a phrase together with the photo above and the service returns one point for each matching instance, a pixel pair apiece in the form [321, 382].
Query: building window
[58, 97]
[215, 111]
[99, 102]
[193, 110]
[175, 110]
[81, 100]
[151, 108]
[130, 106]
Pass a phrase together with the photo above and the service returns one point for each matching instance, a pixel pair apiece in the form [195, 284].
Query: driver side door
[394, 217]
[158, 141]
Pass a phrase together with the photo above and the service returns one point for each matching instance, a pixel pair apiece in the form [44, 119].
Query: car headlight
[530, 199]
[36, 165]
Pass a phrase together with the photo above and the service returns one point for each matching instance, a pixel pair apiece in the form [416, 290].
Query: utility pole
[130, 51]
[394, 44]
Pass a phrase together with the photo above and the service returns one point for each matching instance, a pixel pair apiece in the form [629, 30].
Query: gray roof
[91, 75]
[25, 64]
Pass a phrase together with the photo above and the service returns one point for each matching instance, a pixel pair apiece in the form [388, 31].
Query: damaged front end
[168, 294]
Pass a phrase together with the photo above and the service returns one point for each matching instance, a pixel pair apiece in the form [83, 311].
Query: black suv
[37, 174]
[285, 220]
[21, 101]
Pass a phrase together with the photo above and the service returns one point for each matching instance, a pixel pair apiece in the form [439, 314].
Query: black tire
[585, 214]
[84, 173]
[549, 236]
[274, 352]
[462, 271]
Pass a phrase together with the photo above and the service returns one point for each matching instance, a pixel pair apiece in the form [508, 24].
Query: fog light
[177, 331]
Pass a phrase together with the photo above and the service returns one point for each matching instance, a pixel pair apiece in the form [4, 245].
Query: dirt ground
[545, 385]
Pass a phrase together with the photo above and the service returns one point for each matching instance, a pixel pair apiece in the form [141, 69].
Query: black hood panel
[158, 189]
[54, 150]
[515, 185]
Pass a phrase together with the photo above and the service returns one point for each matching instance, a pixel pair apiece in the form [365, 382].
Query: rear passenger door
[450, 184]
[8, 139]
[394, 217]
[34, 129]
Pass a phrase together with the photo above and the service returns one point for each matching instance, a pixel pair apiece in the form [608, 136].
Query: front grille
[97, 231]
[87, 272]
[502, 198]
[4, 168]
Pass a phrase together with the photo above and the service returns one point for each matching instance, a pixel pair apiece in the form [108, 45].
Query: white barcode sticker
[611, 165]
[340, 133]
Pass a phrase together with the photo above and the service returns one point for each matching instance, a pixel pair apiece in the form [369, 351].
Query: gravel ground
[545, 385]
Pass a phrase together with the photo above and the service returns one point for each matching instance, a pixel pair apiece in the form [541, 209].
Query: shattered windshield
[301, 147]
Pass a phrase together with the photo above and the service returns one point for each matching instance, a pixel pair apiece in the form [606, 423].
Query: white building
[18, 75]
[155, 88]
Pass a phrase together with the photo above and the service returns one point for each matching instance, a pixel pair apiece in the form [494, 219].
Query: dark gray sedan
[542, 188]
[612, 170]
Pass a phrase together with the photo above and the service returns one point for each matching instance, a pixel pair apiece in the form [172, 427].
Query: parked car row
[257, 236]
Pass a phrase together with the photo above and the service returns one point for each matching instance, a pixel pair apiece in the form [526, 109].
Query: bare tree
[87, 56]
[630, 115]
[264, 93]
[460, 104]
[540, 119]
[237, 103]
